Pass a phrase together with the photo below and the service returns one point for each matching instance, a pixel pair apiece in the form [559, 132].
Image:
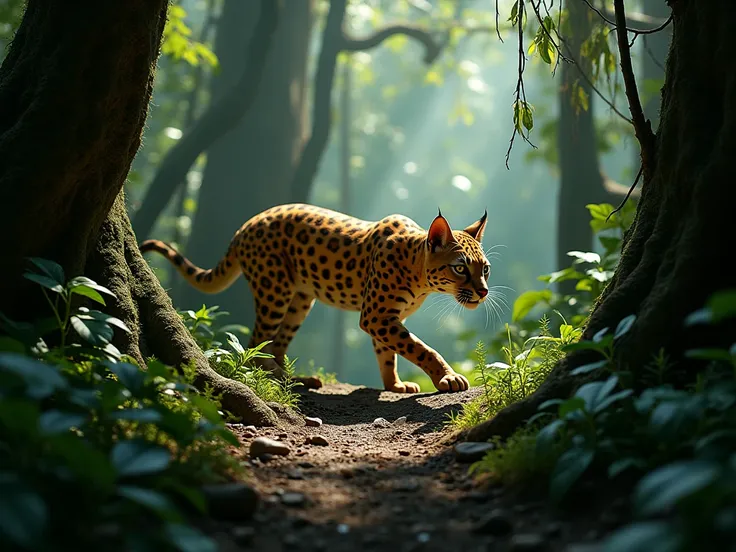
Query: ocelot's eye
[459, 269]
[486, 270]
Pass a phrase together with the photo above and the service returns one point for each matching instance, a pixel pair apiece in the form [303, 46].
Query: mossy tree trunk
[74, 94]
[677, 252]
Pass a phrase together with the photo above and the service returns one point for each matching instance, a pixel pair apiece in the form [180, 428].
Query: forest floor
[394, 486]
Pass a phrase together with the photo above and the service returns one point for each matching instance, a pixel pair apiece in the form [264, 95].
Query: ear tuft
[439, 233]
[478, 227]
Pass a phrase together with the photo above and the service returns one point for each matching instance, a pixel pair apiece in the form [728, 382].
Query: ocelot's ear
[478, 227]
[439, 234]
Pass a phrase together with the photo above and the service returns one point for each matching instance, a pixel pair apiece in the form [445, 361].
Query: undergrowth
[679, 444]
[96, 451]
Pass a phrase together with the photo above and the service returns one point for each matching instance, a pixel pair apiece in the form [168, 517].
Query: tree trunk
[677, 252]
[74, 94]
[250, 169]
[581, 181]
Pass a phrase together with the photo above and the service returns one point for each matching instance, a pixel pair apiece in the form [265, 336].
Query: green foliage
[526, 367]
[320, 372]
[237, 362]
[91, 443]
[177, 40]
[678, 443]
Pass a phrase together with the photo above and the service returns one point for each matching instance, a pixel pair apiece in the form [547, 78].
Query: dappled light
[412, 275]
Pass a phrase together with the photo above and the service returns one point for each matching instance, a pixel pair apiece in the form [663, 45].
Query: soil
[395, 488]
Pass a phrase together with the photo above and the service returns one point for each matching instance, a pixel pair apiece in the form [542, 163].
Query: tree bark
[676, 253]
[74, 95]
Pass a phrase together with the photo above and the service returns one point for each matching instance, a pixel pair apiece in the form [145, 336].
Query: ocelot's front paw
[452, 382]
[404, 387]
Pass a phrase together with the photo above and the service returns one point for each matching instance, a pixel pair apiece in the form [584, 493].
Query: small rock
[293, 499]
[251, 428]
[527, 542]
[263, 445]
[242, 534]
[317, 440]
[234, 426]
[381, 422]
[295, 474]
[399, 421]
[283, 435]
[471, 451]
[230, 501]
[419, 439]
[305, 465]
[343, 528]
[404, 453]
[313, 422]
[496, 523]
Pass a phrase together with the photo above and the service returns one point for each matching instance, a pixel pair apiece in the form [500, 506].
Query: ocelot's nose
[482, 292]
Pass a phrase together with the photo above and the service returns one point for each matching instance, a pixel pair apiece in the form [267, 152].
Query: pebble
[404, 453]
[399, 421]
[313, 422]
[472, 451]
[527, 542]
[293, 499]
[295, 474]
[497, 523]
[283, 435]
[381, 422]
[263, 445]
[317, 440]
[242, 534]
[251, 428]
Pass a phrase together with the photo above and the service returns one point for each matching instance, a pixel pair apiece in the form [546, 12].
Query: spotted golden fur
[292, 255]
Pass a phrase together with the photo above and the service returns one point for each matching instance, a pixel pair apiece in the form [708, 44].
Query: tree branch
[642, 127]
[335, 41]
[662, 24]
[219, 119]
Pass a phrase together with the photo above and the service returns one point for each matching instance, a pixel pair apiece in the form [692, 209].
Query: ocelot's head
[456, 263]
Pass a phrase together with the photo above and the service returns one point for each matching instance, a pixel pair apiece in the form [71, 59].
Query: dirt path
[387, 486]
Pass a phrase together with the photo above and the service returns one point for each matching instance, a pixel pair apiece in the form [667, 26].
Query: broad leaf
[91, 330]
[49, 268]
[23, 513]
[585, 257]
[587, 368]
[44, 281]
[594, 393]
[138, 457]
[150, 499]
[129, 375]
[41, 379]
[646, 536]
[87, 291]
[58, 421]
[570, 466]
[189, 539]
[661, 489]
[84, 281]
[527, 301]
[624, 326]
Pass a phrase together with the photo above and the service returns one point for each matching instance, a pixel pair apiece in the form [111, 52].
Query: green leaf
[660, 490]
[547, 436]
[572, 404]
[595, 393]
[644, 536]
[150, 499]
[93, 331]
[527, 301]
[87, 291]
[623, 464]
[49, 268]
[188, 539]
[720, 306]
[41, 379]
[142, 415]
[44, 281]
[709, 354]
[128, 375]
[83, 281]
[23, 513]
[87, 314]
[561, 275]
[207, 408]
[234, 342]
[599, 335]
[138, 457]
[624, 326]
[58, 421]
[569, 468]
[587, 368]
[585, 257]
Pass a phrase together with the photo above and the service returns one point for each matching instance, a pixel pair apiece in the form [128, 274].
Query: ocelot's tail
[212, 280]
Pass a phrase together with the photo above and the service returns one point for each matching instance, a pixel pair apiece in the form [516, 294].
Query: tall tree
[250, 168]
[74, 94]
[680, 224]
